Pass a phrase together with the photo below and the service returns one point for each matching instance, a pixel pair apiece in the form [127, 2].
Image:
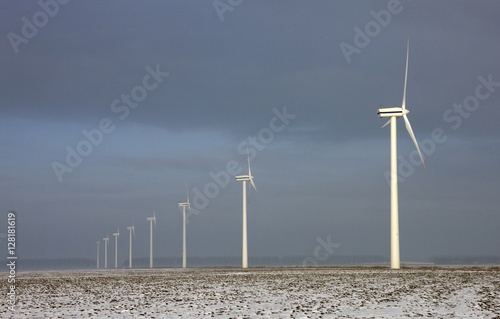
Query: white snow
[258, 293]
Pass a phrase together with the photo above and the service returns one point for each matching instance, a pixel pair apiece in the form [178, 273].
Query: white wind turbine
[244, 179]
[184, 205]
[98, 243]
[116, 247]
[151, 220]
[106, 239]
[394, 113]
[131, 229]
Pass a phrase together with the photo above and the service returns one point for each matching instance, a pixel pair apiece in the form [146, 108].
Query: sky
[108, 110]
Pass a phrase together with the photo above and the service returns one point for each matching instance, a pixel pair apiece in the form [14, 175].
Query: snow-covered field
[257, 293]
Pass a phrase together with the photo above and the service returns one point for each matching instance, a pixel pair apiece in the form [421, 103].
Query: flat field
[275, 292]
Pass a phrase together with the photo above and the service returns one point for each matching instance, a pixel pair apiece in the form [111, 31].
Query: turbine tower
[98, 243]
[106, 239]
[151, 220]
[244, 179]
[394, 113]
[116, 247]
[131, 229]
[184, 205]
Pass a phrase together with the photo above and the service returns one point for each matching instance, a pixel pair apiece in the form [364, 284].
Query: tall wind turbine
[151, 220]
[184, 205]
[131, 229]
[106, 239]
[244, 179]
[98, 243]
[394, 113]
[116, 247]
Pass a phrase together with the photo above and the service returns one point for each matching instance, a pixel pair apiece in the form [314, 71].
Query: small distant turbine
[116, 247]
[394, 113]
[244, 179]
[106, 239]
[151, 220]
[184, 205]
[131, 229]
[98, 243]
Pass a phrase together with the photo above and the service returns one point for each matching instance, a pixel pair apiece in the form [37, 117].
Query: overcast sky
[107, 110]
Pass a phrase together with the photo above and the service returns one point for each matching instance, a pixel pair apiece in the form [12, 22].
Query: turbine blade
[250, 171]
[249, 191]
[406, 74]
[251, 182]
[248, 155]
[187, 194]
[410, 131]
[386, 123]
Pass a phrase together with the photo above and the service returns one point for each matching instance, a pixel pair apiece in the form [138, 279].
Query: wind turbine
[116, 247]
[106, 251]
[184, 205]
[98, 243]
[151, 220]
[394, 113]
[244, 179]
[131, 229]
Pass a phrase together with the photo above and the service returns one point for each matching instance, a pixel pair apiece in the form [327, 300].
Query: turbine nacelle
[248, 177]
[132, 229]
[186, 203]
[392, 111]
[241, 178]
[152, 219]
[244, 178]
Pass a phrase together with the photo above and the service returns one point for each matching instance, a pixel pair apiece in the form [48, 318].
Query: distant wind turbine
[106, 239]
[151, 220]
[98, 243]
[116, 247]
[394, 113]
[244, 179]
[131, 229]
[184, 205]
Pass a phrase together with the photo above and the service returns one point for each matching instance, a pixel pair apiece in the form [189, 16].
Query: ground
[271, 292]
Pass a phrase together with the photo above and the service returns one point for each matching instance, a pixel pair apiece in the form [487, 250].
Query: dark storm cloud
[323, 174]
